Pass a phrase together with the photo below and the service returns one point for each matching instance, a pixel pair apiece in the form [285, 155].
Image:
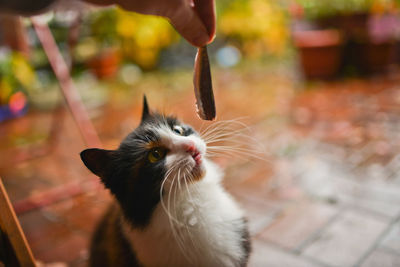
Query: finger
[206, 11]
[186, 21]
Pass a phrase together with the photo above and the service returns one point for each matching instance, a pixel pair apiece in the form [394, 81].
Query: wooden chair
[14, 249]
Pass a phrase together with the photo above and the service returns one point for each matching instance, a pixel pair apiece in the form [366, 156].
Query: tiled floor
[321, 186]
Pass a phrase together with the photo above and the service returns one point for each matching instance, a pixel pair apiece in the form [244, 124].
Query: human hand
[193, 19]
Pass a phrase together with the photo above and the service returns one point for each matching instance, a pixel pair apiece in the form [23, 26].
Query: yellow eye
[178, 130]
[156, 154]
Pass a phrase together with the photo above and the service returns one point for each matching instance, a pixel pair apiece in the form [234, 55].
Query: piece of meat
[203, 86]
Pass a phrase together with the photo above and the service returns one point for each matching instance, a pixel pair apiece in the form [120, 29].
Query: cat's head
[160, 153]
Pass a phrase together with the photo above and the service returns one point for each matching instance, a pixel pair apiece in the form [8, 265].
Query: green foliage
[325, 8]
[103, 26]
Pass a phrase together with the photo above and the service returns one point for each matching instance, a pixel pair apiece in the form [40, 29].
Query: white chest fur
[205, 228]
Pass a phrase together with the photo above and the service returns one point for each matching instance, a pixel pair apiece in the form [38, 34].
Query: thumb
[186, 21]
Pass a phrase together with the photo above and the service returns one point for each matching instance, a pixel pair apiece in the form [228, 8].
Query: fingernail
[211, 39]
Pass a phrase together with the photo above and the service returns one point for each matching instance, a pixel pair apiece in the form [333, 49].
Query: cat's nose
[189, 147]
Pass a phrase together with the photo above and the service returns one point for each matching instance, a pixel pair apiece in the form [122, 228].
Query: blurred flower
[140, 37]
[86, 49]
[15, 75]
[17, 102]
[383, 28]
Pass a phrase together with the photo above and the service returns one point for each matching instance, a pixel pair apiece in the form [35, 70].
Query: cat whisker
[235, 137]
[166, 208]
[221, 123]
[174, 230]
[171, 218]
[191, 200]
[180, 171]
[225, 134]
[232, 139]
[191, 179]
[227, 140]
[237, 152]
[167, 179]
[188, 253]
[232, 148]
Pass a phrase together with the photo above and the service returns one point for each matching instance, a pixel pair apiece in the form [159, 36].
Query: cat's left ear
[97, 160]
[146, 110]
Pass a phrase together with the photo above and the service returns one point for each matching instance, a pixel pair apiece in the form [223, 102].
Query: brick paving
[381, 258]
[325, 193]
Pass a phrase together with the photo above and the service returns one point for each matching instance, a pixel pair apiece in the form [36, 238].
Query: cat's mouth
[197, 157]
[187, 160]
[198, 170]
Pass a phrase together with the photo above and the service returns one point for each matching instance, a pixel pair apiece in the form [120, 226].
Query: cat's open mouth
[198, 170]
[193, 151]
[196, 155]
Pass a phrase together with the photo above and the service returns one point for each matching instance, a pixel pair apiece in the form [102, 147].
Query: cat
[170, 208]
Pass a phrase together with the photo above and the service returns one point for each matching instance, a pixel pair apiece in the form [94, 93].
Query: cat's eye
[156, 154]
[178, 130]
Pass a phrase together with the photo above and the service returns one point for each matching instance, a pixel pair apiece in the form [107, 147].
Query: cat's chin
[198, 172]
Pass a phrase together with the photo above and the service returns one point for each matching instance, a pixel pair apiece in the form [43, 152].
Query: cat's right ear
[97, 160]
[146, 110]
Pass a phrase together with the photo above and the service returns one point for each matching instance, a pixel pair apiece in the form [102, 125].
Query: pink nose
[189, 147]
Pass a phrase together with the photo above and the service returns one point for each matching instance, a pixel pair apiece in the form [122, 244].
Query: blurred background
[316, 82]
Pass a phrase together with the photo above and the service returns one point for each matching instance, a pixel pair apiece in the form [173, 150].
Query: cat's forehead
[157, 124]
[155, 128]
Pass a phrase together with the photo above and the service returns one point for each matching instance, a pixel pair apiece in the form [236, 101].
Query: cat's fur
[172, 212]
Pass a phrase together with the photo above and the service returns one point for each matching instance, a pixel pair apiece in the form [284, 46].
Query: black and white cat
[171, 209]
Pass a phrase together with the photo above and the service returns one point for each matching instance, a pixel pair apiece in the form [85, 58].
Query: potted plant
[368, 28]
[105, 59]
[319, 52]
[377, 51]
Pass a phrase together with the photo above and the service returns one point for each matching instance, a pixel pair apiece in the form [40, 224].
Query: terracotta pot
[370, 40]
[319, 52]
[106, 64]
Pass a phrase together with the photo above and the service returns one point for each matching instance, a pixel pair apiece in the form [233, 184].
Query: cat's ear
[97, 160]
[146, 110]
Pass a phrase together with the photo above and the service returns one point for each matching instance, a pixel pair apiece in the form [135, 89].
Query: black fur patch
[109, 247]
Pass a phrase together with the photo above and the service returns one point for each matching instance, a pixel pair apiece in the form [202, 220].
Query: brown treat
[203, 86]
